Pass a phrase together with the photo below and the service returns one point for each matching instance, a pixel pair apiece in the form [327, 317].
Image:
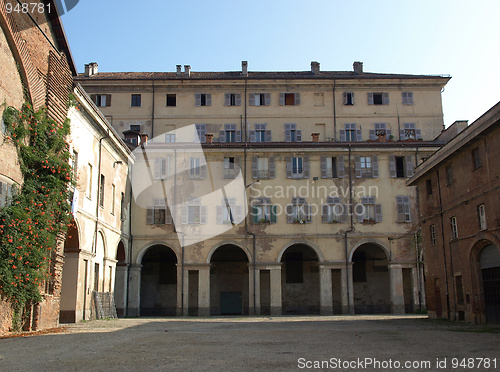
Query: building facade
[326, 223]
[39, 72]
[458, 190]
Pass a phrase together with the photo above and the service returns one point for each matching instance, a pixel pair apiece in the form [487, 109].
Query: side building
[326, 223]
[458, 190]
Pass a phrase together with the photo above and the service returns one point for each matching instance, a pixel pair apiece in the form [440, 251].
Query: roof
[254, 75]
[489, 119]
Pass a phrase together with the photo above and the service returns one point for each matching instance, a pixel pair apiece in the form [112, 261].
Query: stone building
[96, 248]
[326, 223]
[458, 192]
[36, 66]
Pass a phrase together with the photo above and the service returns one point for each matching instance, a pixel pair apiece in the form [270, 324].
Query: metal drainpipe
[348, 231]
[444, 247]
[334, 113]
[153, 112]
[131, 240]
[98, 191]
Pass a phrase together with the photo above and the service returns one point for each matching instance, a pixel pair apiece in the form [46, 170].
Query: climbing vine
[39, 212]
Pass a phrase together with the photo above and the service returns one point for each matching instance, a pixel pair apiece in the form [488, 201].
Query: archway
[300, 280]
[489, 264]
[74, 280]
[371, 280]
[120, 291]
[229, 281]
[159, 282]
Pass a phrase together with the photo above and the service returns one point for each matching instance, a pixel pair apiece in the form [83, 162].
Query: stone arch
[229, 242]
[120, 289]
[144, 249]
[121, 254]
[158, 293]
[313, 246]
[371, 279]
[229, 279]
[374, 242]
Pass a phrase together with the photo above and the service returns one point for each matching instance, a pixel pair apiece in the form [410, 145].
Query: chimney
[144, 139]
[187, 70]
[358, 67]
[90, 69]
[315, 67]
[178, 69]
[244, 68]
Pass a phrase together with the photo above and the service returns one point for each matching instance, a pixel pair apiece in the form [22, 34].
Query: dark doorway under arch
[489, 263]
[300, 280]
[229, 281]
[159, 282]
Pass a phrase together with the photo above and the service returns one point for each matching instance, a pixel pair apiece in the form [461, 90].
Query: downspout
[351, 228]
[444, 247]
[131, 240]
[153, 112]
[254, 248]
[174, 217]
[334, 113]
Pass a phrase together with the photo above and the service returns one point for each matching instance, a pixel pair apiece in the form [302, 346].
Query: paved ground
[256, 343]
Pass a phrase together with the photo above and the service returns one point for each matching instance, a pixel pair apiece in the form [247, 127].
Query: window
[378, 98]
[460, 289]
[5, 194]
[299, 211]
[194, 213]
[366, 166]
[292, 134]
[368, 211]
[433, 234]
[231, 166]
[196, 170]
[202, 99]
[263, 167]
[348, 98]
[476, 158]
[410, 132]
[202, 130]
[228, 213]
[259, 99]
[232, 99]
[101, 190]
[333, 211]
[135, 128]
[113, 199]
[454, 230]
[170, 138]
[161, 171]
[230, 134]
[403, 208]
[350, 133]
[158, 214]
[481, 213]
[74, 164]
[401, 166]
[449, 175]
[136, 100]
[379, 130]
[332, 166]
[171, 100]
[260, 134]
[122, 207]
[407, 98]
[263, 211]
[297, 167]
[289, 99]
[101, 100]
[428, 186]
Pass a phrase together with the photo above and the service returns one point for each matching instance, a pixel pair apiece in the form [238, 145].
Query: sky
[437, 37]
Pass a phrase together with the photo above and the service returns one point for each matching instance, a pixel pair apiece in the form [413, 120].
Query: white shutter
[282, 99]
[227, 99]
[358, 135]
[342, 135]
[272, 167]
[238, 99]
[357, 163]
[324, 213]
[370, 98]
[289, 167]
[157, 170]
[375, 166]
[378, 212]
[402, 134]
[409, 166]
[400, 209]
[255, 169]
[345, 98]
[267, 99]
[297, 99]
[289, 213]
[323, 167]
[306, 167]
[197, 99]
[406, 200]
[418, 134]
[298, 135]
[340, 166]
[203, 214]
[219, 215]
[203, 171]
[268, 136]
[238, 136]
[392, 165]
[184, 215]
[372, 134]
[385, 98]
[209, 99]
[308, 208]
[222, 136]
[168, 216]
[237, 211]
[150, 216]
[251, 99]
[251, 134]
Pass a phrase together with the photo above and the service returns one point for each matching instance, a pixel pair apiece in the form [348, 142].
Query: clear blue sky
[456, 37]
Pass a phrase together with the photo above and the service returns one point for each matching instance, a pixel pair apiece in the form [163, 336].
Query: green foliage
[40, 211]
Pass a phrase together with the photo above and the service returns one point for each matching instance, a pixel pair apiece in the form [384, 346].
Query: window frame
[454, 228]
[407, 98]
[135, 100]
[169, 97]
[476, 159]
[481, 214]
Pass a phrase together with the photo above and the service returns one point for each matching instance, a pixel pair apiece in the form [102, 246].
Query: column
[276, 302]
[397, 293]
[134, 298]
[121, 289]
[204, 291]
[253, 290]
[415, 288]
[182, 293]
[325, 290]
[347, 290]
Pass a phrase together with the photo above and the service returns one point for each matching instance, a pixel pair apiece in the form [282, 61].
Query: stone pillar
[204, 291]
[257, 292]
[347, 290]
[415, 288]
[181, 293]
[325, 290]
[397, 292]
[134, 298]
[251, 294]
[276, 302]
[121, 289]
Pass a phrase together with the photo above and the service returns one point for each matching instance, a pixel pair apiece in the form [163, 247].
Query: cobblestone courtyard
[347, 343]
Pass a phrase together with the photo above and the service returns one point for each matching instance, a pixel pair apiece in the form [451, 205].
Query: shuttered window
[333, 211]
[158, 214]
[378, 98]
[298, 211]
[332, 166]
[403, 208]
[366, 166]
[231, 166]
[259, 99]
[407, 98]
[202, 99]
[292, 134]
[232, 99]
[368, 211]
[297, 167]
[289, 99]
[230, 134]
[202, 130]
